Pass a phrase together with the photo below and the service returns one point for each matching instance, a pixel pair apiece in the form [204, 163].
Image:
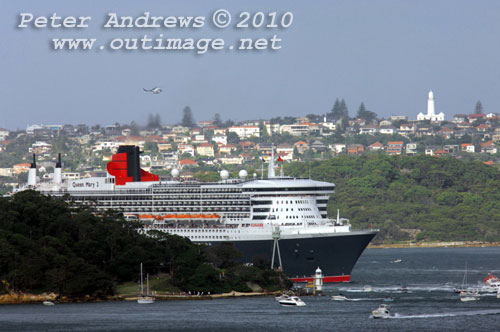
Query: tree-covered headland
[48, 246]
[417, 198]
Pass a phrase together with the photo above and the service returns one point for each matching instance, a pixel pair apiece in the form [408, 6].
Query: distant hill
[418, 198]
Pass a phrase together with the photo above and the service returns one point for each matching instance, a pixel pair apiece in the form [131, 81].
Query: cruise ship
[278, 219]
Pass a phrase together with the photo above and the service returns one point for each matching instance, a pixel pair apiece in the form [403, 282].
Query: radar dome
[243, 174]
[224, 174]
[175, 173]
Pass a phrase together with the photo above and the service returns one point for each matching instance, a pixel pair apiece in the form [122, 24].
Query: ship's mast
[270, 168]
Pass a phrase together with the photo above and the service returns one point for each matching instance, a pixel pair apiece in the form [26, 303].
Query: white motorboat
[399, 260]
[491, 280]
[339, 297]
[48, 302]
[292, 301]
[383, 311]
[282, 297]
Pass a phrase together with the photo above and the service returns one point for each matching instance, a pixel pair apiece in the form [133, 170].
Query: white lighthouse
[431, 114]
[318, 280]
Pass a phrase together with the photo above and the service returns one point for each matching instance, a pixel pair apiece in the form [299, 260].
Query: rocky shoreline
[25, 298]
[453, 244]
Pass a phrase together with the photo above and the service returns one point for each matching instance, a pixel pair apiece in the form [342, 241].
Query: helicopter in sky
[156, 90]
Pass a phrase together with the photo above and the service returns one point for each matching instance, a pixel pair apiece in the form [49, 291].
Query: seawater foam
[449, 314]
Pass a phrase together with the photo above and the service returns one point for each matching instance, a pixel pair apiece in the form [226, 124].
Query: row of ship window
[180, 209]
[198, 197]
[286, 209]
[301, 189]
[197, 190]
[197, 230]
[300, 201]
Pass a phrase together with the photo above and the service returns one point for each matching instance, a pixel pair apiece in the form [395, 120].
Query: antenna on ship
[276, 238]
[270, 167]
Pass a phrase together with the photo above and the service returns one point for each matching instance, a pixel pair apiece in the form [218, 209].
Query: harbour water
[429, 275]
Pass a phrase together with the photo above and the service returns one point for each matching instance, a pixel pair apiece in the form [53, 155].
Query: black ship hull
[335, 255]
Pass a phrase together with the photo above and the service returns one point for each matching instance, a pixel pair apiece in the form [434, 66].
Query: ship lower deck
[334, 255]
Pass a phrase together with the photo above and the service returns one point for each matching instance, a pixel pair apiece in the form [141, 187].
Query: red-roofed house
[21, 168]
[205, 149]
[474, 117]
[438, 153]
[375, 146]
[483, 127]
[355, 149]
[227, 148]
[246, 145]
[468, 147]
[488, 147]
[154, 138]
[394, 147]
[186, 162]
[301, 146]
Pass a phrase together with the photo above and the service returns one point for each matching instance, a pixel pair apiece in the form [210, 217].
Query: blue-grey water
[429, 305]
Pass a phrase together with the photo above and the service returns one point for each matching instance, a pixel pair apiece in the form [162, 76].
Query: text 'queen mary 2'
[279, 219]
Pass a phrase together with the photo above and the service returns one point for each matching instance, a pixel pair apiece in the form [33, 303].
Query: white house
[245, 132]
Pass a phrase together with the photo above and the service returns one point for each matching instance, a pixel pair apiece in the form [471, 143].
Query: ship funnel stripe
[125, 166]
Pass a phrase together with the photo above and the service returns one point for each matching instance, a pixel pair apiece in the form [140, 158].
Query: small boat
[339, 297]
[145, 298]
[491, 279]
[367, 288]
[399, 260]
[48, 302]
[292, 301]
[491, 284]
[388, 299]
[467, 295]
[383, 311]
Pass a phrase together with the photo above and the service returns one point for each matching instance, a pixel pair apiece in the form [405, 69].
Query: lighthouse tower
[431, 114]
[430, 105]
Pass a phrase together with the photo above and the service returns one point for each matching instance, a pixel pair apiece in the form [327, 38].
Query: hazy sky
[388, 54]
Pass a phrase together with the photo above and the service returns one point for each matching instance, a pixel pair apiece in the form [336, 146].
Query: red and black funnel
[126, 167]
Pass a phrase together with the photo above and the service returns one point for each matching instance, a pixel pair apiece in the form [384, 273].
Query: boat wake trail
[449, 314]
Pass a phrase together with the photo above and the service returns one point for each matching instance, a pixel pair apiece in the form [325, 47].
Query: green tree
[218, 120]
[365, 114]
[478, 109]
[187, 117]
[154, 121]
[232, 138]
